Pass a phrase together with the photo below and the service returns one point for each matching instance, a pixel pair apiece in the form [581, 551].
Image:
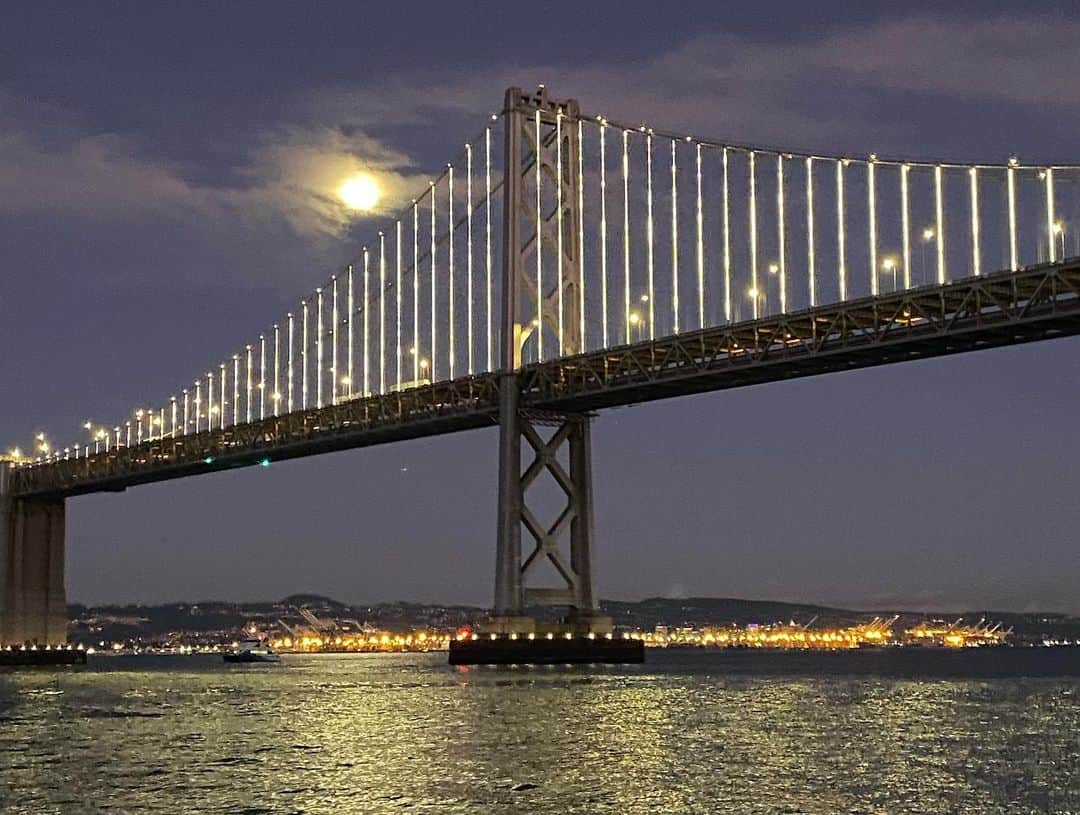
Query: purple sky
[159, 203]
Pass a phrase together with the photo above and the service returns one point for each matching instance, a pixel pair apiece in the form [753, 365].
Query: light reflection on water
[406, 733]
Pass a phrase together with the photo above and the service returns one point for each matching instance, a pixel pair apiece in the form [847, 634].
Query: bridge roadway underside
[1004, 308]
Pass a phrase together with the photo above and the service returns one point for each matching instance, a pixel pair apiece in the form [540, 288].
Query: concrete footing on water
[488, 649]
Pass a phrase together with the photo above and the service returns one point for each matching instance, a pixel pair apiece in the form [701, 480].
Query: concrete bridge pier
[33, 602]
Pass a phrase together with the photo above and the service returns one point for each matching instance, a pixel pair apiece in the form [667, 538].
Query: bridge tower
[33, 604]
[541, 199]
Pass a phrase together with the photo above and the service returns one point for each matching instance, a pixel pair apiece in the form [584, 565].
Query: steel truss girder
[1004, 308]
[981, 312]
[442, 407]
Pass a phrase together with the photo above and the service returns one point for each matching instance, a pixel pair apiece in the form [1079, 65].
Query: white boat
[252, 650]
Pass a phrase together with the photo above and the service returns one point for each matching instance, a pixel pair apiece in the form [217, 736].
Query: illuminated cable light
[366, 328]
[939, 217]
[382, 313]
[335, 319]
[416, 288]
[753, 235]
[674, 241]
[649, 231]
[262, 377]
[290, 378]
[603, 236]
[304, 355]
[319, 347]
[700, 243]
[626, 233]
[811, 279]
[871, 208]
[223, 402]
[1010, 177]
[727, 236]
[539, 250]
[973, 173]
[211, 409]
[450, 263]
[905, 222]
[841, 248]
[350, 338]
[198, 410]
[582, 344]
[249, 384]
[277, 370]
[397, 300]
[434, 348]
[469, 261]
[1050, 221]
[559, 225]
[781, 237]
[487, 244]
[236, 389]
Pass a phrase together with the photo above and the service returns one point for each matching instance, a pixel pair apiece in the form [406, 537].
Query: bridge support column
[560, 447]
[33, 603]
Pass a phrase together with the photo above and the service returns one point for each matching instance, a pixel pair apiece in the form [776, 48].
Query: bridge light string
[366, 328]
[416, 290]
[382, 313]
[303, 356]
[262, 377]
[650, 233]
[559, 225]
[939, 220]
[539, 249]
[276, 396]
[469, 259]
[1051, 241]
[350, 338]
[487, 245]
[186, 414]
[871, 208]
[905, 222]
[290, 378]
[210, 409]
[781, 237]
[674, 242]
[727, 234]
[973, 174]
[249, 384]
[223, 402]
[450, 264]
[319, 348]
[626, 233]
[700, 224]
[434, 360]
[236, 389]
[582, 343]
[811, 283]
[1010, 180]
[840, 238]
[198, 410]
[397, 297]
[603, 235]
[755, 292]
[334, 334]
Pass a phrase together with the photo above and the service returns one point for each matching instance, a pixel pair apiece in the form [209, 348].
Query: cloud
[822, 90]
[50, 165]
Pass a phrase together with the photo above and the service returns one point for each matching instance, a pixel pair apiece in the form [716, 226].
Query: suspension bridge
[563, 264]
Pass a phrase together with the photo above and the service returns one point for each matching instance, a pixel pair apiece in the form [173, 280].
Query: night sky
[160, 204]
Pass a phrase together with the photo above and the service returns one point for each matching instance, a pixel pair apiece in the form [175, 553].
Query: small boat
[252, 650]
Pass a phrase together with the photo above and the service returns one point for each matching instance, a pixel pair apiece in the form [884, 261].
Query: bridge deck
[1004, 308]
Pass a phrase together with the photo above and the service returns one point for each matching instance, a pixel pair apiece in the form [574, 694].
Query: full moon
[361, 192]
